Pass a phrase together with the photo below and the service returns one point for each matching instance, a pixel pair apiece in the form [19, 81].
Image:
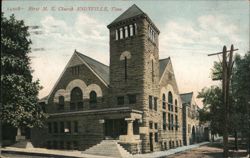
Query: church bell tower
[134, 66]
[134, 56]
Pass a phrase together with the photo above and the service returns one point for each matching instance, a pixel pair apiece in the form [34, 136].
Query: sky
[189, 30]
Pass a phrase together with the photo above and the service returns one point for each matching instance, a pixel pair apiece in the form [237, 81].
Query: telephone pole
[226, 77]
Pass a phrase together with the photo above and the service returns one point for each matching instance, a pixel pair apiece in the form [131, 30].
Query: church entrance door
[115, 127]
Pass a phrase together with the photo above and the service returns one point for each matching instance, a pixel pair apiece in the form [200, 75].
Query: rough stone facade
[172, 135]
[193, 131]
[135, 100]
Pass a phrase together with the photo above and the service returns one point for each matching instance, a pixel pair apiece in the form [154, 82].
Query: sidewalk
[78, 154]
[159, 154]
[41, 152]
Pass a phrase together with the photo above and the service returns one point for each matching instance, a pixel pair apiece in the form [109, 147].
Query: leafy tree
[20, 106]
[216, 71]
[212, 110]
[241, 95]
[239, 104]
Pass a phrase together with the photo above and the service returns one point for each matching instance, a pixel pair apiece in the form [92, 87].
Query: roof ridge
[138, 8]
[128, 12]
[91, 58]
[100, 69]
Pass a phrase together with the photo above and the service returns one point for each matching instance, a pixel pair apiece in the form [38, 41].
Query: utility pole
[226, 77]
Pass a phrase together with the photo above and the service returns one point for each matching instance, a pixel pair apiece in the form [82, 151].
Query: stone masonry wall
[168, 83]
[139, 81]
[88, 79]
[90, 130]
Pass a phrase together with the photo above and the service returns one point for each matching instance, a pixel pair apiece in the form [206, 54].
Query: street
[211, 150]
[206, 151]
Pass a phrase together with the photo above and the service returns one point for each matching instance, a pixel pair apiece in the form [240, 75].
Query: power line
[226, 77]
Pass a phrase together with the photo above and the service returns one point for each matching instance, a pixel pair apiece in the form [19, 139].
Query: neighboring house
[193, 131]
[135, 100]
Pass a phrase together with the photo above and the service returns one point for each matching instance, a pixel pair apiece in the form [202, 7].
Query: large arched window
[61, 103]
[92, 97]
[170, 101]
[152, 66]
[76, 99]
[125, 56]
[163, 101]
[176, 105]
[125, 69]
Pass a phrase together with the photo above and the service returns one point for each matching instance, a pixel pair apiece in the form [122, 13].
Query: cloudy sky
[189, 31]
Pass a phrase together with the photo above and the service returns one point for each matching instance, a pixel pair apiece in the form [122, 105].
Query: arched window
[116, 35]
[153, 39]
[176, 105]
[92, 97]
[135, 28]
[121, 33]
[163, 101]
[61, 103]
[172, 122]
[149, 32]
[76, 99]
[126, 31]
[131, 30]
[125, 68]
[124, 58]
[170, 101]
[152, 62]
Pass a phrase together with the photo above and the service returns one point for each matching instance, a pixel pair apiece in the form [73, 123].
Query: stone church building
[193, 131]
[134, 101]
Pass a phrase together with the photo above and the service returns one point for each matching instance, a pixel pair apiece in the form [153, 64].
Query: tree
[241, 95]
[212, 110]
[19, 100]
[239, 105]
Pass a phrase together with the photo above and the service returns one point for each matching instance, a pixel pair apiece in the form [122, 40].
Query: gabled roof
[132, 11]
[100, 69]
[162, 65]
[186, 97]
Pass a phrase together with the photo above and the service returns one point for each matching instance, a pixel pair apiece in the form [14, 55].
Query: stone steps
[108, 148]
[23, 144]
